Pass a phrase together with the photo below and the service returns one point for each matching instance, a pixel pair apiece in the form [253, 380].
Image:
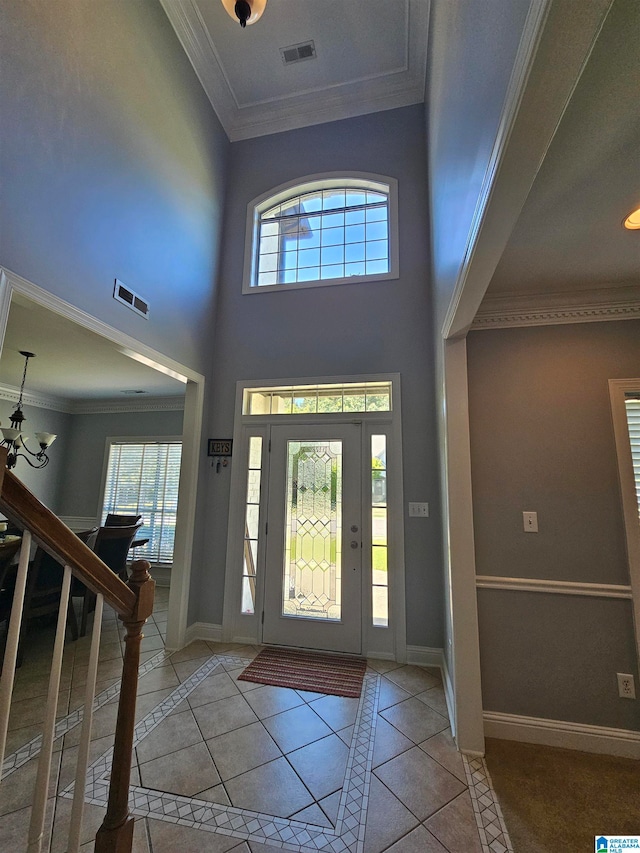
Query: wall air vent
[298, 52]
[127, 296]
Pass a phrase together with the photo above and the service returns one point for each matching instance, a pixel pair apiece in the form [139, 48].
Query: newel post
[116, 833]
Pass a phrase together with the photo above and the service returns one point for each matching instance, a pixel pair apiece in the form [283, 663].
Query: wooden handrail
[133, 601]
[25, 510]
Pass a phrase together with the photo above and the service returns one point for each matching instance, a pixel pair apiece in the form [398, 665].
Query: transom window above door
[329, 230]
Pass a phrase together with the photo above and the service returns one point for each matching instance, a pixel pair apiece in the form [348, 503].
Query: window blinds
[142, 479]
[632, 405]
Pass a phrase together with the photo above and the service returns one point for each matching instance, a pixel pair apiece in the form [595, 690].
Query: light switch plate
[418, 510]
[530, 520]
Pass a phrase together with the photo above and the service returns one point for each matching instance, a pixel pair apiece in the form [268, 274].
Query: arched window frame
[331, 180]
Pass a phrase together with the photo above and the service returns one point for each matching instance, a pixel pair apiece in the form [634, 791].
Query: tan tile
[413, 679]
[313, 814]
[267, 701]
[309, 696]
[17, 789]
[173, 733]
[382, 666]
[171, 838]
[272, 788]
[455, 826]
[158, 678]
[330, 806]
[346, 735]
[387, 819]
[103, 724]
[197, 649]
[243, 686]
[184, 772]
[295, 728]
[337, 711]
[148, 701]
[241, 750]
[92, 817]
[223, 716]
[218, 685]
[415, 719]
[443, 749]
[217, 794]
[152, 642]
[70, 759]
[390, 694]
[388, 743]
[435, 699]
[419, 782]
[321, 765]
[419, 840]
[28, 712]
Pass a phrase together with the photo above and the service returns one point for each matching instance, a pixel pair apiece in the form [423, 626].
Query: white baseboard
[203, 631]
[424, 656]
[599, 739]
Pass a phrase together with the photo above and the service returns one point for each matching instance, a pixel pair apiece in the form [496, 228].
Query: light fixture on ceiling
[245, 11]
[15, 441]
[632, 222]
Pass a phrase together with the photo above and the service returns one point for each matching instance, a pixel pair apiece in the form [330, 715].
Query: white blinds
[632, 406]
[142, 479]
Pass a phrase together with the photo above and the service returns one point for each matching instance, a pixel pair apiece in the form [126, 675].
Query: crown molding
[38, 400]
[511, 310]
[90, 407]
[402, 87]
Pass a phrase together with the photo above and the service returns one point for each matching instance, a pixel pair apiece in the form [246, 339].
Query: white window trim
[617, 389]
[133, 439]
[328, 180]
[379, 642]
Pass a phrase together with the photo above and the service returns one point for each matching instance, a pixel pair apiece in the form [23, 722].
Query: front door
[314, 544]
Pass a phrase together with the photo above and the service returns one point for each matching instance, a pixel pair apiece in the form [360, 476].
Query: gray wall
[340, 330]
[80, 488]
[45, 483]
[112, 167]
[542, 440]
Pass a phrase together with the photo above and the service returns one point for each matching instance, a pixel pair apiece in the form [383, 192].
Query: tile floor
[223, 765]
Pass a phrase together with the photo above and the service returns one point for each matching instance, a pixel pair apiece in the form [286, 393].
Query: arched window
[326, 230]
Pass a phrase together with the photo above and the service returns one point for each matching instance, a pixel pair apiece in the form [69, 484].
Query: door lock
[354, 528]
[354, 543]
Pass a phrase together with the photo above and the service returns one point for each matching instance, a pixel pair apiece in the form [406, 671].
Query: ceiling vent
[298, 52]
[130, 299]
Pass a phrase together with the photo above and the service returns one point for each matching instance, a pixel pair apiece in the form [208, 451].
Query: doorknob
[354, 543]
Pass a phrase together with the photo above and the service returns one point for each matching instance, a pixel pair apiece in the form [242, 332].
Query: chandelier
[245, 11]
[15, 441]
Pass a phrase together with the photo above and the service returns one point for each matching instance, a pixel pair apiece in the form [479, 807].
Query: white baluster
[36, 827]
[75, 827]
[13, 637]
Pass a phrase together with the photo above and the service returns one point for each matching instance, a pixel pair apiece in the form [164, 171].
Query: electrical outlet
[626, 686]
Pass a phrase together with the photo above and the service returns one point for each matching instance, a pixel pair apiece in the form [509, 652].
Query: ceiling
[73, 363]
[371, 55]
[569, 235]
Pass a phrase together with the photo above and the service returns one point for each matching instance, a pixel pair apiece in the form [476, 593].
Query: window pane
[267, 278]
[309, 274]
[374, 267]
[377, 250]
[354, 269]
[334, 271]
[333, 199]
[375, 214]
[379, 550]
[332, 255]
[268, 263]
[332, 220]
[333, 237]
[380, 600]
[354, 252]
[308, 257]
[354, 234]
[377, 230]
[354, 217]
[312, 202]
[143, 479]
[355, 197]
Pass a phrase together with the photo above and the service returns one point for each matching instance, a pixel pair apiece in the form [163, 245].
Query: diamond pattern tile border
[491, 827]
[346, 837]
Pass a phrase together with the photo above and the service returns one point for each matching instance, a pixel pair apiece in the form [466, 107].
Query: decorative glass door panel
[311, 586]
[314, 543]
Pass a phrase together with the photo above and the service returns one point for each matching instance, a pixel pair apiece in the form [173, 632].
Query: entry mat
[336, 675]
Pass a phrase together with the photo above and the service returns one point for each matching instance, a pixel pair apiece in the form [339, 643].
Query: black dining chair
[112, 545]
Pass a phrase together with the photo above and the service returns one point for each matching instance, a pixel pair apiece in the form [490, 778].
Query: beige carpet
[559, 799]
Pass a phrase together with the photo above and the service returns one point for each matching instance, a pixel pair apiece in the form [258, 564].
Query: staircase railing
[133, 602]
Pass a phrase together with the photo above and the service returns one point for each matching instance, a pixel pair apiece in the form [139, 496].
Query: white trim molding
[566, 735]
[597, 590]
[39, 400]
[511, 310]
[425, 656]
[627, 482]
[203, 631]
[399, 87]
[79, 522]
